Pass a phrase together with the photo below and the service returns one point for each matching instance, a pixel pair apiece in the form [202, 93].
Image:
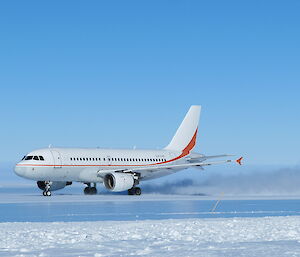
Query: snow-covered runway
[72, 224]
[268, 236]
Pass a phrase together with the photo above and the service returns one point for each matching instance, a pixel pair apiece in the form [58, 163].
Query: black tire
[87, 191]
[137, 191]
[44, 193]
[130, 191]
[48, 193]
[93, 191]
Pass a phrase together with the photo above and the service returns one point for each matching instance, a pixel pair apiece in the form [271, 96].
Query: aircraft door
[57, 159]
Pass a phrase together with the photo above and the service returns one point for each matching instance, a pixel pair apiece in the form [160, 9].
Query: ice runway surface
[72, 224]
[33, 207]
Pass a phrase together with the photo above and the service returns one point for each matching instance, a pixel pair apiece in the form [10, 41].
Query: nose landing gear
[47, 191]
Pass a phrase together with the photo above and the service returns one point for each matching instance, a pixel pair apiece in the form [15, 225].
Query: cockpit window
[24, 158]
[36, 158]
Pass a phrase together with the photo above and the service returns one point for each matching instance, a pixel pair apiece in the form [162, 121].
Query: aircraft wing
[150, 171]
[200, 157]
[182, 166]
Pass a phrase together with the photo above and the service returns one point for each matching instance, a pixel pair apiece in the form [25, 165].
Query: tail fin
[185, 137]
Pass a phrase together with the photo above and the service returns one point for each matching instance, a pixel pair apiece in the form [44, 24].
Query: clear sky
[124, 73]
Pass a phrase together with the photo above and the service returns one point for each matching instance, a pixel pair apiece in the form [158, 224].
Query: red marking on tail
[239, 161]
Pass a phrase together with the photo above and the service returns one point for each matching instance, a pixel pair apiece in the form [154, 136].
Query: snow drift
[269, 236]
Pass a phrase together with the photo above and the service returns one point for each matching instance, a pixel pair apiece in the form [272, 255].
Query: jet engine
[118, 182]
[56, 185]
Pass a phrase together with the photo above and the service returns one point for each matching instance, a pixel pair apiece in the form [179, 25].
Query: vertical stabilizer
[185, 137]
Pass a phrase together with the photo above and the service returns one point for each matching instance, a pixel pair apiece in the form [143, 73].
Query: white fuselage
[83, 164]
[118, 169]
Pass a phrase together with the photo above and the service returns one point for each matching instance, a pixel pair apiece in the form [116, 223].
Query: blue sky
[124, 73]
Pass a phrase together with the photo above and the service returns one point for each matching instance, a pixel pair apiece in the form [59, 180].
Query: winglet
[239, 161]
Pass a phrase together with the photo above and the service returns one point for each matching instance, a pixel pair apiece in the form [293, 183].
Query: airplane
[118, 169]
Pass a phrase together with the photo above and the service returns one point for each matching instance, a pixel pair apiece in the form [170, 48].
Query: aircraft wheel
[137, 191]
[130, 191]
[87, 190]
[93, 191]
[46, 193]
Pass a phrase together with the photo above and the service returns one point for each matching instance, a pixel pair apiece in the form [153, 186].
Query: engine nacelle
[118, 182]
[56, 185]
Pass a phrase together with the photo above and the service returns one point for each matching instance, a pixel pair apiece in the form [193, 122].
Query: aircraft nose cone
[19, 170]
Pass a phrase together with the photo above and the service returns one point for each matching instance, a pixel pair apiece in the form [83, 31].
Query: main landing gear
[89, 190]
[135, 191]
[47, 191]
